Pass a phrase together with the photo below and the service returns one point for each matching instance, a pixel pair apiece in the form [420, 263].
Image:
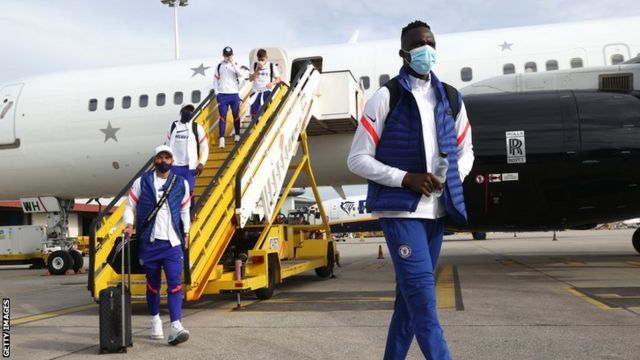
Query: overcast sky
[40, 36]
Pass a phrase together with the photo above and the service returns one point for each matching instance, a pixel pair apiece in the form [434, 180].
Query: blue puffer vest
[147, 202]
[402, 146]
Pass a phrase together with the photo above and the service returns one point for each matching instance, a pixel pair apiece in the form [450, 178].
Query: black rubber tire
[37, 264]
[59, 262]
[478, 235]
[78, 260]
[636, 240]
[267, 292]
[326, 272]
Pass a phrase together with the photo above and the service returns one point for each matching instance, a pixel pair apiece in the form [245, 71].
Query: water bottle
[440, 172]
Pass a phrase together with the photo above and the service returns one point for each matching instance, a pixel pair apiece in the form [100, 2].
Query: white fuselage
[68, 151]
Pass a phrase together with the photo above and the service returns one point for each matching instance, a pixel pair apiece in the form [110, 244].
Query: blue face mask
[422, 59]
[163, 167]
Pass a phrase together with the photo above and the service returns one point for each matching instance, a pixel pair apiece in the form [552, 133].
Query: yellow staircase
[213, 215]
[240, 183]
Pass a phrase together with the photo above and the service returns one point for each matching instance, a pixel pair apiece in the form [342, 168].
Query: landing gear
[60, 247]
[78, 260]
[59, 262]
[636, 240]
[478, 235]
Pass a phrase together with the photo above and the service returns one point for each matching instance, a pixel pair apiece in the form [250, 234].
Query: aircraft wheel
[478, 235]
[59, 262]
[326, 272]
[267, 292]
[636, 240]
[37, 264]
[78, 260]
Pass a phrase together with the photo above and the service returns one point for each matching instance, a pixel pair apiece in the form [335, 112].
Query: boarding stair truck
[235, 245]
[48, 245]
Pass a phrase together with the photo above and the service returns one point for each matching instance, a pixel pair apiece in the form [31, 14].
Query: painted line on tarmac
[588, 299]
[445, 288]
[51, 314]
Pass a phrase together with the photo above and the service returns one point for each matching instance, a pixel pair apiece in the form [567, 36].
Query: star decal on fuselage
[110, 132]
[200, 70]
[506, 46]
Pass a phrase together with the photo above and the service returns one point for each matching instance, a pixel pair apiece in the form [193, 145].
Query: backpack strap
[453, 96]
[173, 127]
[255, 66]
[394, 92]
[271, 69]
[194, 128]
[454, 99]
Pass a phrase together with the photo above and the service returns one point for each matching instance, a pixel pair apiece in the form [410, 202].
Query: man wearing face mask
[406, 125]
[158, 204]
[190, 146]
[226, 83]
[265, 76]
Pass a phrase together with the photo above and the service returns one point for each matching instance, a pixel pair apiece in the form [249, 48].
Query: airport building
[80, 218]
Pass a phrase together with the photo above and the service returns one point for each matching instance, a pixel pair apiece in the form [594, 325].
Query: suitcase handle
[126, 243]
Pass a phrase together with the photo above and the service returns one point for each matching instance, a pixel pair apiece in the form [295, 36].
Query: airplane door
[8, 102]
[616, 53]
[278, 56]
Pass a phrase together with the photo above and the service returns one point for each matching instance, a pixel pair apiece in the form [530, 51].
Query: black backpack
[255, 67]
[394, 96]
[194, 129]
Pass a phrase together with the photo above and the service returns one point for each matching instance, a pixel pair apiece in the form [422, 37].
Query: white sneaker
[156, 328]
[178, 334]
[221, 142]
[237, 138]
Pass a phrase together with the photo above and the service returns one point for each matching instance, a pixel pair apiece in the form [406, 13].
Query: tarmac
[524, 297]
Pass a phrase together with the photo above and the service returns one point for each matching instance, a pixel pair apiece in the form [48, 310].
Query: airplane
[347, 215]
[84, 134]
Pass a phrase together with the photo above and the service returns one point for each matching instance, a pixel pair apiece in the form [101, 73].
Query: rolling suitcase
[115, 310]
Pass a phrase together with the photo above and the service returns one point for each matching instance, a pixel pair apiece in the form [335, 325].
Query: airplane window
[161, 99]
[466, 74]
[195, 96]
[144, 101]
[383, 79]
[508, 69]
[552, 65]
[109, 104]
[93, 104]
[530, 67]
[177, 98]
[617, 59]
[364, 82]
[126, 102]
[576, 63]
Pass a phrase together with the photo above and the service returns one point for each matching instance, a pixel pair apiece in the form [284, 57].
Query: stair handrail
[109, 208]
[245, 163]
